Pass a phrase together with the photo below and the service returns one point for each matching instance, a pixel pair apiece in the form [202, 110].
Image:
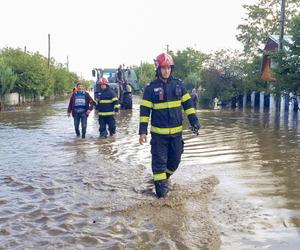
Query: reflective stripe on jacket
[107, 102]
[164, 102]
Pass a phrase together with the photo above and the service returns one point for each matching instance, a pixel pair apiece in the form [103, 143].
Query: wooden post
[48, 50]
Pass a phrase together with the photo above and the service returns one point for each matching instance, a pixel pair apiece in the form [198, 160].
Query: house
[272, 45]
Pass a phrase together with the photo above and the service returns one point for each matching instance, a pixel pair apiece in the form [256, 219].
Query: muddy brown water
[237, 186]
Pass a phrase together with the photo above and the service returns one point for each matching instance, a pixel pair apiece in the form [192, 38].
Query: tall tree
[145, 73]
[188, 62]
[262, 20]
[287, 72]
[7, 79]
[33, 76]
[222, 76]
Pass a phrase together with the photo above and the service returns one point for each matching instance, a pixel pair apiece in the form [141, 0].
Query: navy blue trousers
[166, 153]
[105, 121]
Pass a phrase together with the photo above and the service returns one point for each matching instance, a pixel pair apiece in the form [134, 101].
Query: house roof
[275, 38]
[273, 42]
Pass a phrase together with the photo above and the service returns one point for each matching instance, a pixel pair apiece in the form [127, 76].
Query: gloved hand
[116, 110]
[195, 128]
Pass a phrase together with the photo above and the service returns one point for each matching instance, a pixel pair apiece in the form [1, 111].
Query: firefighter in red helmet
[107, 106]
[163, 100]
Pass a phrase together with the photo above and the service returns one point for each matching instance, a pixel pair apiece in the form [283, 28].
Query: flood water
[236, 188]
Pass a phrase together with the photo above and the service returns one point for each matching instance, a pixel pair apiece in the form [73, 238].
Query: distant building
[272, 45]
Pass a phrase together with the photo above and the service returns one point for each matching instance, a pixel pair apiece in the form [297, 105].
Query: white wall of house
[11, 99]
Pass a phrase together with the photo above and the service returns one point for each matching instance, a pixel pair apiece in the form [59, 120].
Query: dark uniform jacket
[107, 102]
[164, 101]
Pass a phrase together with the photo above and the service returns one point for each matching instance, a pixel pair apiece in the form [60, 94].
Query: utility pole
[167, 48]
[25, 49]
[282, 23]
[68, 63]
[48, 50]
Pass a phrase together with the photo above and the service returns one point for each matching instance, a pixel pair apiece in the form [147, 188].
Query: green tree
[287, 72]
[192, 80]
[262, 20]
[188, 64]
[251, 75]
[33, 75]
[31, 70]
[223, 76]
[145, 73]
[64, 81]
[7, 79]
[86, 83]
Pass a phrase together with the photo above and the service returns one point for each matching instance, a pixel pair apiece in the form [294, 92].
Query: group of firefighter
[163, 100]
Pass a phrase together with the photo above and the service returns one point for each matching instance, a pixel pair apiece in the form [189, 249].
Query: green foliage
[188, 65]
[223, 76]
[145, 73]
[86, 83]
[64, 81]
[251, 75]
[287, 72]
[33, 75]
[262, 20]
[192, 80]
[7, 79]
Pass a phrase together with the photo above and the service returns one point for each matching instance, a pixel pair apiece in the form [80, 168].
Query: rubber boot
[77, 133]
[111, 133]
[168, 175]
[161, 188]
[103, 134]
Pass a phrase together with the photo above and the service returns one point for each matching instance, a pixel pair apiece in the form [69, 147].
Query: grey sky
[106, 33]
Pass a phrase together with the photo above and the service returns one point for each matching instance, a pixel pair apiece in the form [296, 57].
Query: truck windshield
[110, 76]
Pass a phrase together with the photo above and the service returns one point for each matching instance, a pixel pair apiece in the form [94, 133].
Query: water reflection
[94, 192]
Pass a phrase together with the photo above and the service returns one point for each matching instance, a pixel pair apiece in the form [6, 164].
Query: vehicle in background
[122, 89]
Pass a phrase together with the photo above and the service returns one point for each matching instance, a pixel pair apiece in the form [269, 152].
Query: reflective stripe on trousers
[166, 154]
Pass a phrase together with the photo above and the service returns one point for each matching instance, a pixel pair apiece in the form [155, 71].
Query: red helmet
[103, 81]
[163, 60]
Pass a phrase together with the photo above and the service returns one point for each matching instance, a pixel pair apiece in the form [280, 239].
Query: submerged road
[236, 188]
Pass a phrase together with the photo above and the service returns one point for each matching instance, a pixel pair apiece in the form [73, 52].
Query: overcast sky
[106, 33]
